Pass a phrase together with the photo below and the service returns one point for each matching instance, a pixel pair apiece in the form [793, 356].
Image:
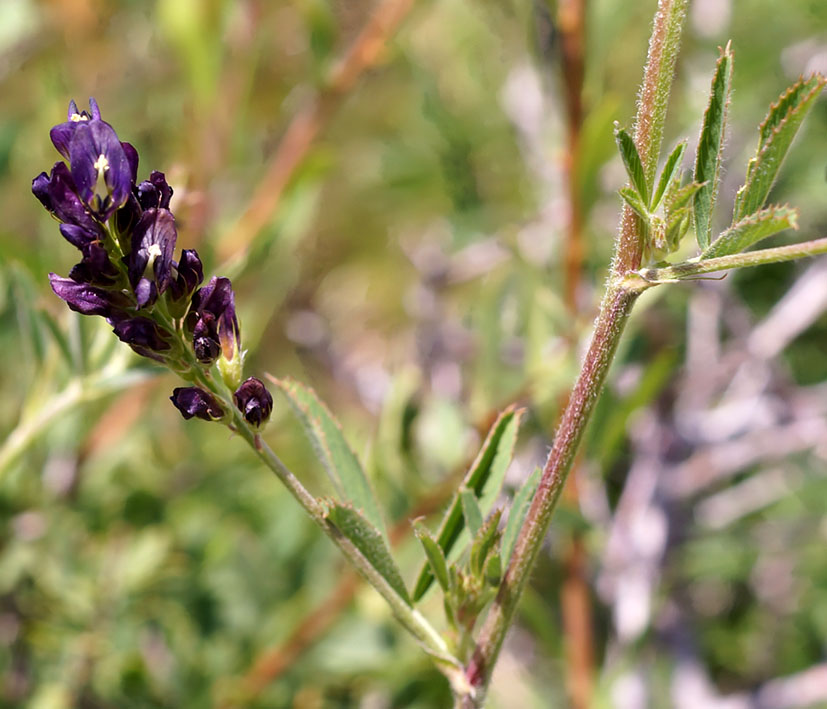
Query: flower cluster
[128, 274]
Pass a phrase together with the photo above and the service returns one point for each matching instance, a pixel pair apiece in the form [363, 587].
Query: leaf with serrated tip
[751, 230]
[325, 434]
[484, 478]
[632, 162]
[369, 541]
[776, 134]
[711, 146]
[670, 172]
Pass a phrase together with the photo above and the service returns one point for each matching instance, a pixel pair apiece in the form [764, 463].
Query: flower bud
[254, 401]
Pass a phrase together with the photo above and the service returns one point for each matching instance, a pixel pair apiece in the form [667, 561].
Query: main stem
[620, 296]
[616, 306]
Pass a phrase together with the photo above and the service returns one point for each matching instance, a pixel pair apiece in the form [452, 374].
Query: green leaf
[434, 554]
[340, 462]
[711, 146]
[751, 230]
[483, 542]
[484, 479]
[681, 197]
[494, 570]
[368, 540]
[470, 511]
[670, 173]
[632, 198]
[519, 509]
[632, 162]
[776, 134]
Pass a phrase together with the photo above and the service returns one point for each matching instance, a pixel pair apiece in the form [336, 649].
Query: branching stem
[620, 296]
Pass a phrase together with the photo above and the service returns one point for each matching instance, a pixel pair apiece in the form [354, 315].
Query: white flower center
[101, 164]
[77, 117]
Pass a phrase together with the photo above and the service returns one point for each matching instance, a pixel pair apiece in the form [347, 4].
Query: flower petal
[155, 192]
[95, 268]
[59, 195]
[205, 342]
[144, 336]
[132, 159]
[81, 297]
[95, 151]
[153, 242]
[217, 298]
[190, 274]
[192, 401]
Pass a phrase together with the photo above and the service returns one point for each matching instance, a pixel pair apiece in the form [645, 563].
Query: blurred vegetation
[412, 273]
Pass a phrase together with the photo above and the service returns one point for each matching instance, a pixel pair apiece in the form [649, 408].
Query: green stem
[690, 269]
[616, 306]
[651, 117]
[617, 303]
[408, 616]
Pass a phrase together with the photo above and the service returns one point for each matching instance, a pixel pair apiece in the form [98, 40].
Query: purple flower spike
[96, 156]
[217, 299]
[254, 401]
[192, 401]
[153, 242]
[190, 274]
[144, 336]
[81, 297]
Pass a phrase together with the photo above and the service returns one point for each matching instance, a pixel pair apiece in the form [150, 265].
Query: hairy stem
[617, 303]
[691, 269]
[651, 117]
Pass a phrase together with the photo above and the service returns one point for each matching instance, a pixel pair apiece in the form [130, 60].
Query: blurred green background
[412, 273]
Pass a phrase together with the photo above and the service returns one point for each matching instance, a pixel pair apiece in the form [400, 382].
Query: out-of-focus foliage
[412, 274]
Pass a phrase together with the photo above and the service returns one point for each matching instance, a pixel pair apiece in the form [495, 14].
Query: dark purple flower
[153, 243]
[215, 301]
[192, 401]
[190, 273]
[254, 401]
[154, 192]
[144, 336]
[95, 268]
[100, 167]
[205, 342]
[59, 195]
[63, 133]
[81, 297]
